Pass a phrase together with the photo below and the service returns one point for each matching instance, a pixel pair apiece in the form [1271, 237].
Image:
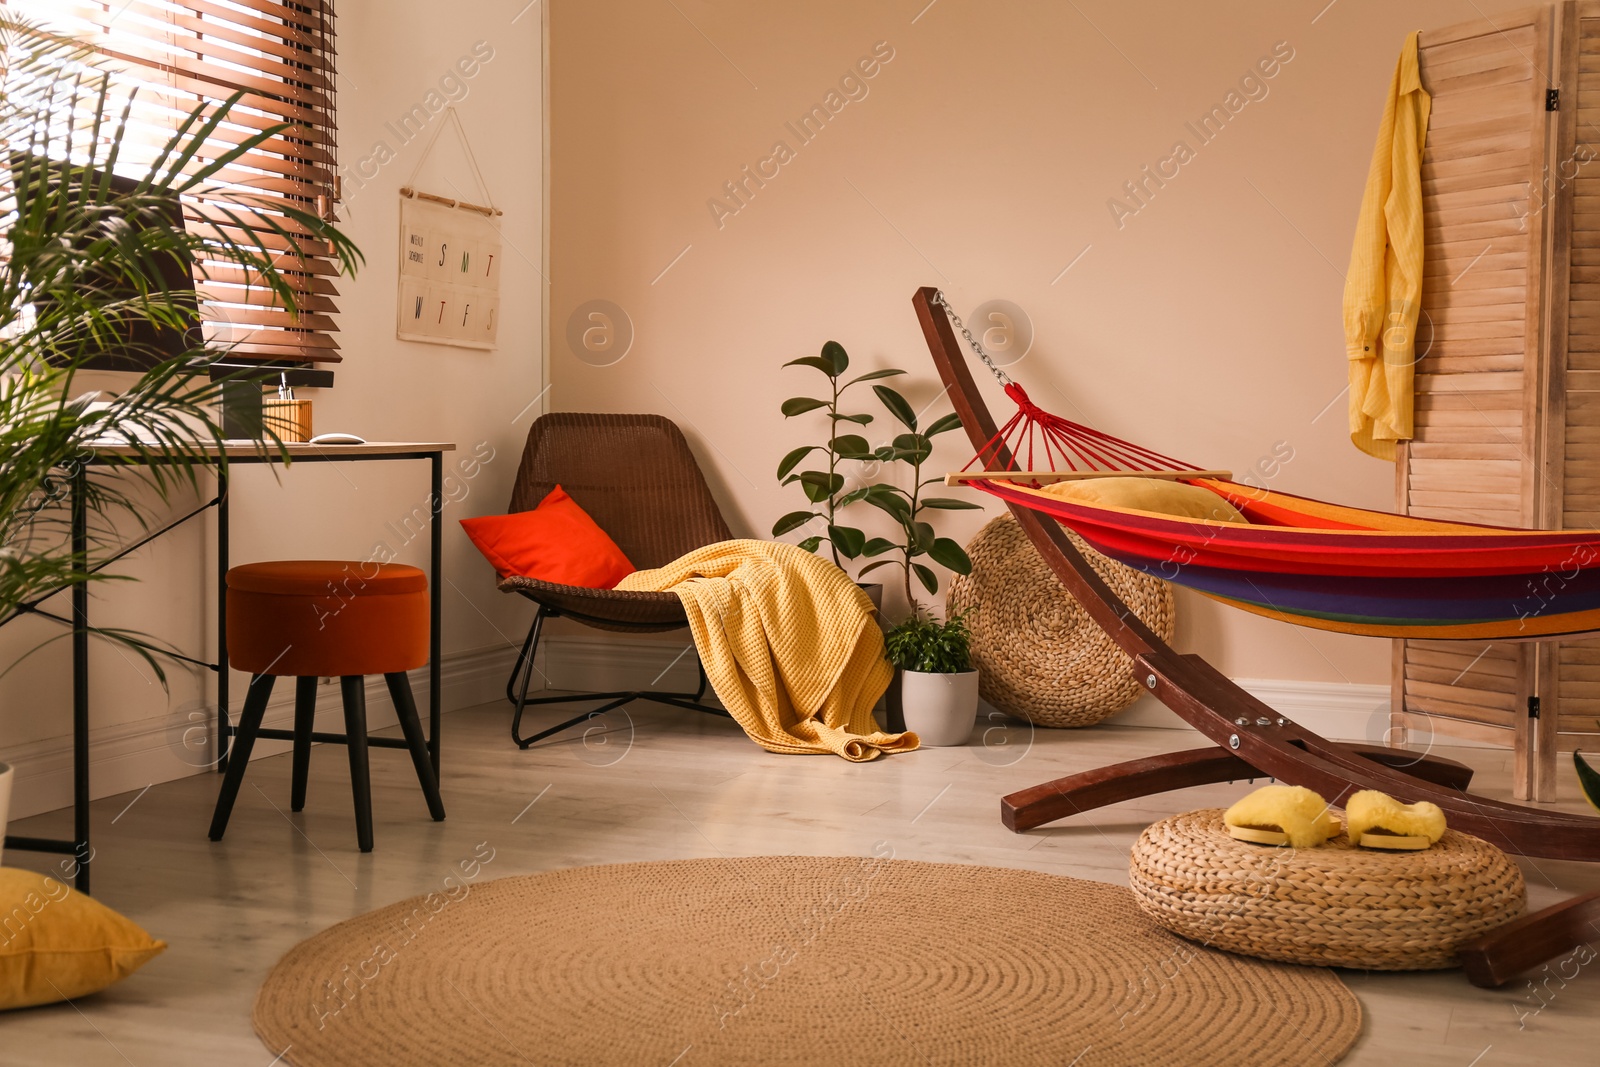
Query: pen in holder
[285, 416]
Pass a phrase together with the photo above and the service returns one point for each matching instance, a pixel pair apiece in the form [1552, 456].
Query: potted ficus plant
[916, 545]
[824, 488]
[938, 684]
[907, 506]
[935, 691]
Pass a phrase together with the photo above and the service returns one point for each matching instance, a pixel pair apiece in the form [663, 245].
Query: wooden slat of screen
[182, 53]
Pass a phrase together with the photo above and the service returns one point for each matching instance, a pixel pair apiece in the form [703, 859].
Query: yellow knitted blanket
[788, 642]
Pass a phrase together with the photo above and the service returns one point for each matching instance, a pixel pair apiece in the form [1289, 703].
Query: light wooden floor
[671, 784]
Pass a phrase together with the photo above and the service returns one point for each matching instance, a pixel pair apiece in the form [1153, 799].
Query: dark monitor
[141, 344]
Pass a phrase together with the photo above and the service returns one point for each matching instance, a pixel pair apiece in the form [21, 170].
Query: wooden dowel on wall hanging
[451, 202]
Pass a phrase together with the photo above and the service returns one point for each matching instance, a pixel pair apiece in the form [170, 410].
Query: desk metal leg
[80, 679]
[222, 743]
[435, 603]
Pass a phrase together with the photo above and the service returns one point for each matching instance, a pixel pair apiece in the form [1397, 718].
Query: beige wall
[983, 158]
[393, 53]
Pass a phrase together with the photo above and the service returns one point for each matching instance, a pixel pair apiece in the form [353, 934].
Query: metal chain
[1000, 375]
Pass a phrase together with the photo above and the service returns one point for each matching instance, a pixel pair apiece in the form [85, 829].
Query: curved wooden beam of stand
[1087, 790]
[1440, 770]
[1499, 956]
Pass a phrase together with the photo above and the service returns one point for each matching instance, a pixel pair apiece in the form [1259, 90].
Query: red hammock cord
[1033, 428]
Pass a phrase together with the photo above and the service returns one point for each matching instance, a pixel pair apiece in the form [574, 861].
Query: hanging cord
[409, 189]
[1036, 434]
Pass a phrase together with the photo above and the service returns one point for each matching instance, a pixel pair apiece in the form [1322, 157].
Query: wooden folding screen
[1508, 382]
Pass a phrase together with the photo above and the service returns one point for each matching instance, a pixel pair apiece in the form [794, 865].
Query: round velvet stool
[347, 619]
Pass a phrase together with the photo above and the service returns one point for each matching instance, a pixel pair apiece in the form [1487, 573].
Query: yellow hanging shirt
[1383, 291]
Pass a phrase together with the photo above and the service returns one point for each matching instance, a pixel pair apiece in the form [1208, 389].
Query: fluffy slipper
[1281, 815]
[1378, 820]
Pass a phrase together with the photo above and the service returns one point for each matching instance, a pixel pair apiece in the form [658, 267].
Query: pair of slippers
[1298, 817]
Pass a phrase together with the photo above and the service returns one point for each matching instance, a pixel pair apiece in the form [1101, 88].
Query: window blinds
[178, 54]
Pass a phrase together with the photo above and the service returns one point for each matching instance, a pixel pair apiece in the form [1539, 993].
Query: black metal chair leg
[305, 715]
[352, 689]
[622, 698]
[244, 739]
[525, 655]
[518, 694]
[406, 709]
[530, 648]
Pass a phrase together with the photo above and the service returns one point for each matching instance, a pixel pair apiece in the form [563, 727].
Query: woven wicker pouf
[1038, 654]
[1333, 906]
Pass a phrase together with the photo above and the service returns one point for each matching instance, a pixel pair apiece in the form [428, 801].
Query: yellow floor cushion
[1161, 495]
[57, 944]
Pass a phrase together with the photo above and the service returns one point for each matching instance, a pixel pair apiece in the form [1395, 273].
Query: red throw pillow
[555, 542]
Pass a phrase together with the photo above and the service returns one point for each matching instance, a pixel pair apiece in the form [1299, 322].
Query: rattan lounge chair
[635, 476]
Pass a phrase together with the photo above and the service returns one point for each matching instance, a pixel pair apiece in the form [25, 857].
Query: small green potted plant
[938, 684]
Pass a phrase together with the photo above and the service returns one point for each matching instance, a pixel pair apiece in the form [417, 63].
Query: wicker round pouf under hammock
[1331, 906]
[1039, 655]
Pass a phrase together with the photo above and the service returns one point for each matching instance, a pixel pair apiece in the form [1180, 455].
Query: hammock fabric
[1308, 562]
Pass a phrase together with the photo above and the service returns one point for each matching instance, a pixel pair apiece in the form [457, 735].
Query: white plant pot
[940, 709]
[6, 775]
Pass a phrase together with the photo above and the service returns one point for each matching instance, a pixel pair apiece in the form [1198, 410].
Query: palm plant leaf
[88, 265]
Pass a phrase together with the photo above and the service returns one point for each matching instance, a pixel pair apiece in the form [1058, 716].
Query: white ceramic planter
[940, 709]
[6, 775]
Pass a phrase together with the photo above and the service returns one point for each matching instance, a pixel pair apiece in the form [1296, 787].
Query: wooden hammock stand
[1251, 740]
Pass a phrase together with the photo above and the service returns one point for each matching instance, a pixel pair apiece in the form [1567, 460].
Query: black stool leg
[355, 731]
[305, 712]
[406, 708]
[244, 739]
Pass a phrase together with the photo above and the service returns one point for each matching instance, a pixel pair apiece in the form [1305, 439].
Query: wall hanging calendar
[450, 257]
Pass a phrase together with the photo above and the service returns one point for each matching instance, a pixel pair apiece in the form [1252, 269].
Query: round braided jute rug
[1039, 655]
[1335, 905]
[788, 960]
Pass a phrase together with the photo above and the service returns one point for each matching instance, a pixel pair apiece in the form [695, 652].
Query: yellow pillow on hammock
[1161, 495]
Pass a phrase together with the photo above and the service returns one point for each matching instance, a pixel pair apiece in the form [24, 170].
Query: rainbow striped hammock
[1300, 560]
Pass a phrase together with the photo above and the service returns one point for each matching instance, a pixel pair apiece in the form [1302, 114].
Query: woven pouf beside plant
[1039, 654]
[1335, 905]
